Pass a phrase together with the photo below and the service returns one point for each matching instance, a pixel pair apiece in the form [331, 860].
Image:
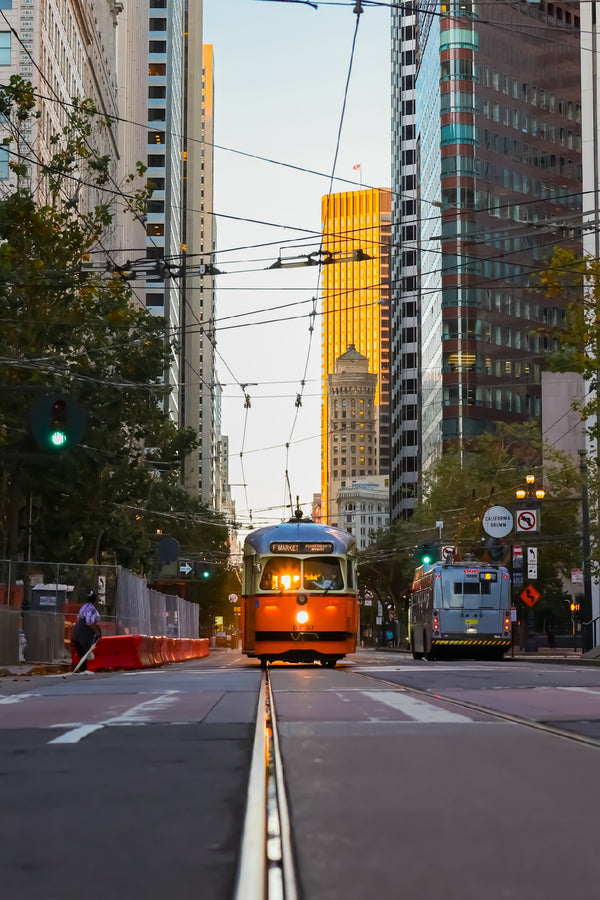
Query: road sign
[577, 576]
[233, 598]
[527, 520]
[167, 549]
[530, 595]
[517, 579]
[185, 568]
[532, 562]
[497, 521]
[517, 558]
[448, 551]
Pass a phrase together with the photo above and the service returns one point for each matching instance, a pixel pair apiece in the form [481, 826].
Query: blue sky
[280, 76]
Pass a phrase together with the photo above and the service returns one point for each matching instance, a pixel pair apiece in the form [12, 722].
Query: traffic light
[57, 422]
[497, 550]
[204, 570]
[58, 433]
[426, 554]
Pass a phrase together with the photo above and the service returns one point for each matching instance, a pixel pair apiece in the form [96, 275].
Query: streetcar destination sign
[301, 547]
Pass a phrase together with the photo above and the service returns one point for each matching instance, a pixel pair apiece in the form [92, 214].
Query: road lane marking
[418, 710]
[140, 714]
[16, 698]
[582, 690]
[73, 737]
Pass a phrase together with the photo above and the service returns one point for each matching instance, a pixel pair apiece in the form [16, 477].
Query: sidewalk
[27, 669]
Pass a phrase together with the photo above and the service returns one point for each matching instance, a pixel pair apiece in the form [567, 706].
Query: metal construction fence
[39, 602]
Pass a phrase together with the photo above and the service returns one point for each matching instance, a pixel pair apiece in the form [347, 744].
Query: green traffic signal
[58, 439]
[425, 554]
[57, 422]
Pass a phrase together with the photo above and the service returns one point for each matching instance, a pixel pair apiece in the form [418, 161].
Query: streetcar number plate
[471, 621]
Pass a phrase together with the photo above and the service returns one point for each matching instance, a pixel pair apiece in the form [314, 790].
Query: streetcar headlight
[302, 617]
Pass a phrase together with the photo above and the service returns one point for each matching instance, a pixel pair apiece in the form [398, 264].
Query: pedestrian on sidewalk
[86, 630]
[551, 637]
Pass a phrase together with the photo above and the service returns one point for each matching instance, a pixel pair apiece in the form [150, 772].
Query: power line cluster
[177, 266]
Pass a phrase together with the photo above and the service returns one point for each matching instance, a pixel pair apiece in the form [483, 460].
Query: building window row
[528, 124]
[531, 94]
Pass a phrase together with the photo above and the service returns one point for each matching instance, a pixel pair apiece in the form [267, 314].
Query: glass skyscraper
[486, 180]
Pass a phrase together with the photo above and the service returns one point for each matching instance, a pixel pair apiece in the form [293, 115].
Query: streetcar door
[249, 605]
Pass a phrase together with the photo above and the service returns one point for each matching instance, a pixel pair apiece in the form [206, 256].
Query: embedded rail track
[497, 714]
[266, 869]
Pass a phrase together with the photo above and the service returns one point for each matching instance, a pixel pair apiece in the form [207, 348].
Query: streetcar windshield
[322, 573]
[284, 573]
[458, 594]
[281, 573]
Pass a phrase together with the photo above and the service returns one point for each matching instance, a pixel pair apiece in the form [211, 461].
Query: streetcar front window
[323, 574]
[281, 574]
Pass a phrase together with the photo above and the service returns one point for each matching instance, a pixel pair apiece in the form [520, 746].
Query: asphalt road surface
[405, 779]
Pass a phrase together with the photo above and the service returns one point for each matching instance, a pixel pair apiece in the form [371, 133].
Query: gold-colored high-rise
[356, 236]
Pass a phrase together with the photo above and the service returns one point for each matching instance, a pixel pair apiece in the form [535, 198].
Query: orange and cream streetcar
[299, 593]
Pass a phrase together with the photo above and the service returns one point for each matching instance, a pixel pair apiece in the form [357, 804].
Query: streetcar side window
[322, 573]
[281, 573]
[350, 573]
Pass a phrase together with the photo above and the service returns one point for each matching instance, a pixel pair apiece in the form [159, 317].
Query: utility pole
[585, 531]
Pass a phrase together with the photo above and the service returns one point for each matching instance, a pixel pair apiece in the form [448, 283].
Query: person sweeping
[86, 630]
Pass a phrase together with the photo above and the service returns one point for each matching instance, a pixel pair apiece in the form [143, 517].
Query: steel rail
[514, 718]
[266, 868]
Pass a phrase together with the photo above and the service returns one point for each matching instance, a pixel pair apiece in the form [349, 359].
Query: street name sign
[497, 521]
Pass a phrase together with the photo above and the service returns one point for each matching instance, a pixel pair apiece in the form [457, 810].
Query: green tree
[67, 329]
[575, 347]
[458, 490]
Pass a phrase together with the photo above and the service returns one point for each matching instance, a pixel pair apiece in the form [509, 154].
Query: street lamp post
[530, 497]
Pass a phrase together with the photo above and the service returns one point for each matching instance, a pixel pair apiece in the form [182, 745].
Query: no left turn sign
[527, 520]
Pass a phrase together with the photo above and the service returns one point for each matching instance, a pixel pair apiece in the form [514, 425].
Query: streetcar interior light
[302, 617]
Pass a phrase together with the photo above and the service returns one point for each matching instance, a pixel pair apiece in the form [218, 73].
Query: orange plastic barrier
[139, 651]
